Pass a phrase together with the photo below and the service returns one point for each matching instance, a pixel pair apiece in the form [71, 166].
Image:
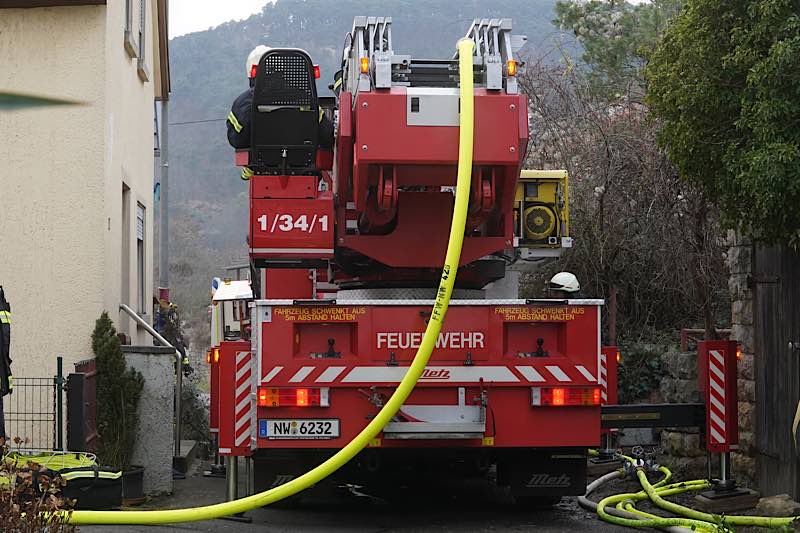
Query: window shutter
[140, 222]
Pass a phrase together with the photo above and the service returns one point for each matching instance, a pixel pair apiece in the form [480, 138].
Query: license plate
[300, 428]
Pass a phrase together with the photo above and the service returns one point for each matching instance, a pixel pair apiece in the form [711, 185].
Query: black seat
[285, 114]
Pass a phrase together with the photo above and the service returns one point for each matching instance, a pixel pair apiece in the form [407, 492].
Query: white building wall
[52, 219]
[62, 171]
[129, 160]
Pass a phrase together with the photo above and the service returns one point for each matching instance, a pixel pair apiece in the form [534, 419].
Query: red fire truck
[346, 248]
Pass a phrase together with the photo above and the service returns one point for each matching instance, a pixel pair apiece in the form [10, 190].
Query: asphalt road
[439, 505]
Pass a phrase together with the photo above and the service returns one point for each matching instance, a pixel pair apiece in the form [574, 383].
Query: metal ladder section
[371, 39]
[494, 46]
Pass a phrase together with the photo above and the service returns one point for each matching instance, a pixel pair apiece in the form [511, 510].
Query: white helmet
[565, 282]
[253, 58]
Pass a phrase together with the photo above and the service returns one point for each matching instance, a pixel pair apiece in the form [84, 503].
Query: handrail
[178, 372]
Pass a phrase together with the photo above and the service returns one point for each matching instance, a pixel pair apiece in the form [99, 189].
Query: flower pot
[133, 486]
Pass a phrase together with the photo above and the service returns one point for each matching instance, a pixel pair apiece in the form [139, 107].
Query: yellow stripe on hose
[465, 49]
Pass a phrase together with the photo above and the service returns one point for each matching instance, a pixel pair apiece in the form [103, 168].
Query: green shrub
[640, 372]
[118, 392]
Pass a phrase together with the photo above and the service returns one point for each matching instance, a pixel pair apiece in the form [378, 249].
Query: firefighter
[563, 285]
[238, 121]
[6, 380]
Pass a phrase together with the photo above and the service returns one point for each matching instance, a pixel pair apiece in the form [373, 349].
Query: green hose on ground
[736, 520]
[647, 521]
[404, 389]
[688, 517]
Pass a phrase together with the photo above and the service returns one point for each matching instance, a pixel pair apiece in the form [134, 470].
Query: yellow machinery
[541, 213]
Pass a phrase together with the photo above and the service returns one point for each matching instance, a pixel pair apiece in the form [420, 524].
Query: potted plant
[118, 392]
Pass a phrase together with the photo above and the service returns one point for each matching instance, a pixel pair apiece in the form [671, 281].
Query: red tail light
[316, 71]
[565, 396]
[293, 397]
[302, 397]
[557, 396]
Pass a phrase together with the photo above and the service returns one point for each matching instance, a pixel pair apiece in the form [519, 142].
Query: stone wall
[682, 450]
[154, 438]
[740, 263]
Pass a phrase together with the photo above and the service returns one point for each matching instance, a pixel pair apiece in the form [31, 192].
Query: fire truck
[346, 247]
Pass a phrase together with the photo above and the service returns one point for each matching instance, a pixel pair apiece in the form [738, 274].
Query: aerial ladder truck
[346, 248]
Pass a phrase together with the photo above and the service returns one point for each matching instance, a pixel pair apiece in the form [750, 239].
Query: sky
[187, 16]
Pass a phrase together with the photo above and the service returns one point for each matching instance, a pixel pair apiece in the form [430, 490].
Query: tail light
[565, 396]
[293, 397]
[316, 71]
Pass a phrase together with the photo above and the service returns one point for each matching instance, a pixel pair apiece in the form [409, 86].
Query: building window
[141, 66]
[141, 272]
[131, 45]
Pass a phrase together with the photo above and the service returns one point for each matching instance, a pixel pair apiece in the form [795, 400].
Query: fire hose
[625, 513]
[404, 389]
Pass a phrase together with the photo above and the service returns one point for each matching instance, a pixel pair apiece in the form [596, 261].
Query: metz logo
[441, 373]
[546, 480]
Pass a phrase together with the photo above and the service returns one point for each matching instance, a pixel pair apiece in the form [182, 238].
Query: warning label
[539, 314]
[319, 314]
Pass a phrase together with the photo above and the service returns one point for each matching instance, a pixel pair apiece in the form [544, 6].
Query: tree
[661, 241]
[723, 83]
[616, 37]
[118, 392]
[635, 220]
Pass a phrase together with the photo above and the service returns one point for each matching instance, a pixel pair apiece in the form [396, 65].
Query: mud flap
[543, 473]
[274, 467]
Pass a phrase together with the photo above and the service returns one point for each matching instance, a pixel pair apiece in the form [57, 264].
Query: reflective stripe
[5, 317]
[79, 474]
[337, 83]
[247, 173]
[321, 114]
[234, 122]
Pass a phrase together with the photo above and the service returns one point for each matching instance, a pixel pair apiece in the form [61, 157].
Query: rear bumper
[508, 421]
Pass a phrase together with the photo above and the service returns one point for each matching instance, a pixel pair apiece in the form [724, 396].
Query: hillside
[208, 201]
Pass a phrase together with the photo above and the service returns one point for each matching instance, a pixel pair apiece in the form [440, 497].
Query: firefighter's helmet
[564, 282]
[252, 60]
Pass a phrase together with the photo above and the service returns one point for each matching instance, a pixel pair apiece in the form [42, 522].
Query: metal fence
[34, 411]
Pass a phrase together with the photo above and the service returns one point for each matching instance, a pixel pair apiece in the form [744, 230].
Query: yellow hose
[172, 516]
[688, 517]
